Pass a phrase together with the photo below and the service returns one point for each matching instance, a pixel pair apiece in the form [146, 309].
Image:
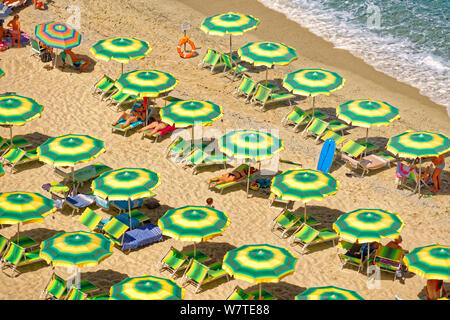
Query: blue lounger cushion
[141, 236]
[81, 200]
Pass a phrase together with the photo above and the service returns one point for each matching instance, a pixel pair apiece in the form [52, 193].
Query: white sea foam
[398, 56]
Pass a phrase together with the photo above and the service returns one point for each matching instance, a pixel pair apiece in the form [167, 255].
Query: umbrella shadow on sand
[215, 250]
[36, 138]
[103, 279]
[280, 290]
[38, 234]
[67, 69]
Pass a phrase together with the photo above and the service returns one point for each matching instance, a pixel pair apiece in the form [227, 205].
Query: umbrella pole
[122, 67]
[73, 181]
[304, 214]
[260, 291]
[267, 73]
[18, 232]
[231, 51]
[129, 211]
[195, 250]
[314, 102]
[11, 135]
[420, 173]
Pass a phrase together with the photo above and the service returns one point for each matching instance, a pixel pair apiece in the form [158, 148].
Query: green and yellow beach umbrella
[190, 112]
[147, 288]
[312, 82]
[328, 293]
[2, 171]
[146, 83]
[2, 73]
[70, 149]
[431, 262]
[79, 249]
[368, 225]
[267, 54]
[231, 23]
[367, 113]
[193, 223]
[259, 263]
[17, 110]
[121, 49]
[304, 185]
[24, 207]
[418, 144]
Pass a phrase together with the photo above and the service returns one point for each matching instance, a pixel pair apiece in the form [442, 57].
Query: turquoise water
[406, 39]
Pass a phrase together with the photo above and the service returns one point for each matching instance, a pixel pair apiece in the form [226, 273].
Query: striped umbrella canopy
[368, 225]
[76, 249]
[2, 73]
[312, 82]
[4, 11]
[250, 144]
[121, 49]
[146, 83]
[24, 207]
[57, 35]
[259, 263]
[193, 223]
[147, 288]
[367, 113]
[190, 112]
[70, 149]
[17, 110]
[304, 185]
[126, 184]
[2, 172]
[418, 144]
[231, 23]
[432, 262]
[328, 293]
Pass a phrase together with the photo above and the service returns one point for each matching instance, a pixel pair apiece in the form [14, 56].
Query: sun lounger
[3, 244]
[199, 274]
[119, 205]
[90, 219]
[211, 59]
[119, 97]
[338, 139]
[175, 261]
[18, 142]
[240, 294]
[79, 201]
[76, 294]
[227, 185]
[263, 95]
[350, 256]
[57, 289]
[36, 49]
[306, 235]
[16, 256]
[370, 147]
[407, 177]
[389, 259]
[316, 128]
[104, 85]
[67, 61]
[264, 295]
[284, 221]
[337, 126]
[369, 162]
[246, 87]
[352, 148]
[273, 198]
[84, 174]
[159, 134]
[102, 296]
[299, 117]
[115, 230]
[126, 129]
[137, 218]
[16, 156]
[234, 69]
[198, 158]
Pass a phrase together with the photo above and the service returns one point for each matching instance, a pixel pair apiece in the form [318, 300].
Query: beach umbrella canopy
[250, 144]
[367, 113]
[267, 54]
[17, 110]
[432, 262]
[57, 35]
[2, 73]
[70, 149]
[193, 223]
[231, 23]
[146, 83]
[259, 263]
[147, 288]
[76, 249]
[189, 112]
[368, 225]
[4, 11]
[328, 293]
[126, 184]
[2, 172]
[121, 49]
[418, 144]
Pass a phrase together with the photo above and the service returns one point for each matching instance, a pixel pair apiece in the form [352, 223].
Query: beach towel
[403, 171]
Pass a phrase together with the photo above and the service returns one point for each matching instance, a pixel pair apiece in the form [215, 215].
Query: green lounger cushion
[327, 235]
[56, 287]
[17, 142]
[278, 96]
[246, 86]
[338, 139]
[89, 172]
[115, 228]
[25, 242]
[306, 234]
[287, 219]
[90, 219]
[216, 271]
[317, 126]
[297, 115]
[369, 146]
[386, 156]
[336, 126]
[240, 294]
[264, 295]
[179, 146]
[352, 148]
[75, 294]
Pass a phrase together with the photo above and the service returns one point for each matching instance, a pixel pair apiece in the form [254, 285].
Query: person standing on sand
[439, 164]
[15, 25]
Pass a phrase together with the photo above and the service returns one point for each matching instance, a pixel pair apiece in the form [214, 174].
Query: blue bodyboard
[326, 156]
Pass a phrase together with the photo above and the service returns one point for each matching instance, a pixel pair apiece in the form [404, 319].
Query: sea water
[406, 39]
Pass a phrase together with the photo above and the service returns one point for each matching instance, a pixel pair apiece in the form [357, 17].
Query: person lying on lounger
[360, 251]
[233, 176]
[155, 126]
[136, 114]
[78, 61]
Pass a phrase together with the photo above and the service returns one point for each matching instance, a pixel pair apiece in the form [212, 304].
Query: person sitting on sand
[137, 113]
[233, 176]
[209, 202]
[14, 24]
[435, 289]
[78, 62]
[439, 165]
[154, 126]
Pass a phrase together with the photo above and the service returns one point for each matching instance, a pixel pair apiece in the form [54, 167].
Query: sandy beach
[69, 107]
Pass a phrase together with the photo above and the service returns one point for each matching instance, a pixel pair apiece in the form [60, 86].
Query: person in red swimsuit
[435, 289]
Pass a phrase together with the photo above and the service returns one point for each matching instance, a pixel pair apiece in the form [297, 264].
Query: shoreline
[316, 49]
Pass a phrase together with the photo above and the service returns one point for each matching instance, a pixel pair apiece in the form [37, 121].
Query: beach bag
[3, 45]
[46, 56]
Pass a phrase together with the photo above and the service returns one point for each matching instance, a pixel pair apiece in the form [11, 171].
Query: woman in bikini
[155, 126]
[137, 113]
[233, 176]
[439, 164]
[14, 24]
